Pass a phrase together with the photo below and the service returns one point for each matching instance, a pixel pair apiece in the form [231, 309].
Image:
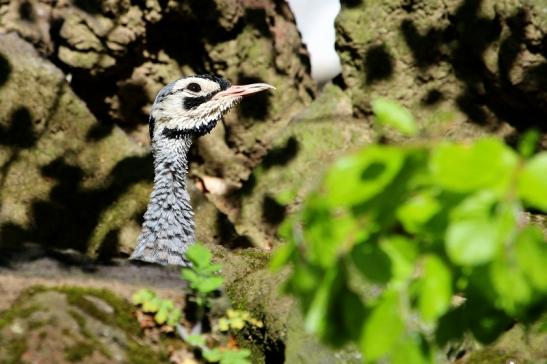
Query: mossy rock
[73, 324]
[464, 68]
[294, 166]
[61, 184]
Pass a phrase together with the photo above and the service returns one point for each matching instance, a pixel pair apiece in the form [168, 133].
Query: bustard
[183, 110]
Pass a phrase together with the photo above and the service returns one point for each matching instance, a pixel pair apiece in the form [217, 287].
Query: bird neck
[168, 228]
[171, 162]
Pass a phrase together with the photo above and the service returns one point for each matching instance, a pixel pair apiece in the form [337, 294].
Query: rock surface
[71, 324]
[457, 64]
[59, 185]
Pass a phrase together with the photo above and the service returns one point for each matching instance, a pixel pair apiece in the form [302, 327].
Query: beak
[243, 90]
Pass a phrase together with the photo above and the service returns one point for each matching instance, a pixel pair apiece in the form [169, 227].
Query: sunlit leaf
[212, 355]
[402, 254]
[487, 163]
[142, 296]
[174, 317]
[435, 288]
[196, 340]
[189, 275]
[325, 241]
[533, 182]
[235, 356]
[210, 284]
[152, 305]
[356, 178]
[382, 328]
[417, 211]
[199, 255]
[161, 316]
[393, 115]
[472, 242]
[317, 316]
[281, 256]
[409, 350]
[478, 226]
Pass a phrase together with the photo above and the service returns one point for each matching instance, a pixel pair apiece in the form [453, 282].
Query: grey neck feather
[168, 228]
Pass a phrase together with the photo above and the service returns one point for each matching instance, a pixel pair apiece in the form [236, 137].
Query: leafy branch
[403, 249]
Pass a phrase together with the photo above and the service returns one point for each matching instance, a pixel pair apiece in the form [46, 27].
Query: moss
[256, 258]
[122, 316]
[142, 354]
[489, 355]
[16, 311]
[80, 320]
[19, 309]
[78, 351]
[14, 350]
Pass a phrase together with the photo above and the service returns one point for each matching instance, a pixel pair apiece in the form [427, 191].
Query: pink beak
[243, 90]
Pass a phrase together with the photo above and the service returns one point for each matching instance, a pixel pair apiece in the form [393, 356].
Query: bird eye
[194, 87]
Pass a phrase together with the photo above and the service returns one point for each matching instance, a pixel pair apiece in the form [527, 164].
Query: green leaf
[531, 254]
[281, 256]
[472, 242]
[409, 350]
[142, 295]
[235, 356]
[478, 227]
[209, 284]
[356, 178]
[512, 287]
[435, 288]
[223, 324]
[174, 317]
[161, 316]
[372, 262]
[327, 239]
[212, 269]
[212, 355]
[199, 255]
[391, 114]
[402, 254]
[383, 328]
[528, 142]
[532, 183]
[152, 305]
[417, 211]
[317, 316]
[479, 205]
[190, 275]
[196, 340]
[487, 163]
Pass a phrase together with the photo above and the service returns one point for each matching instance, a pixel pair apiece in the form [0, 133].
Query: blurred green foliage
[405, 248]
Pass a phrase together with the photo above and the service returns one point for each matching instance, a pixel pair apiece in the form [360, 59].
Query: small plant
[204, 280]
[203, 276]
[394, 233]
[222, 355]
[164, 310]
[236, 320]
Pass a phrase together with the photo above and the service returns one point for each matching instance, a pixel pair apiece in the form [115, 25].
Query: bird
[182, 111]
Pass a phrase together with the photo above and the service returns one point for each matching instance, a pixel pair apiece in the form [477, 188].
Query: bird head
[193, 105]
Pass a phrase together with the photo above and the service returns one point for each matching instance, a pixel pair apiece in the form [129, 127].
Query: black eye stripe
[193, 102]
[194, 87]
